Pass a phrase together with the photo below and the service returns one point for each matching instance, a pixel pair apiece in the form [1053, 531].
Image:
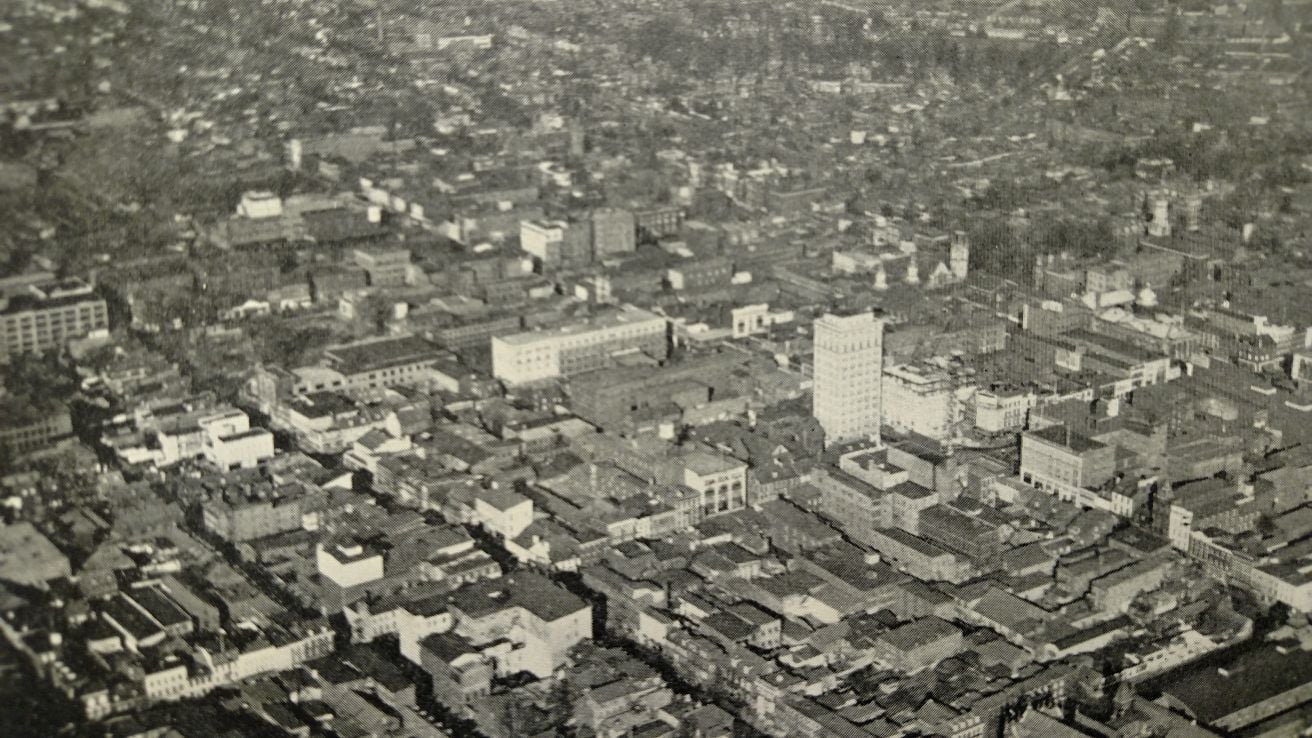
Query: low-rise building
[385, 267]
[525, 621]
[1002, 410]
[919, 644]
[28, 557]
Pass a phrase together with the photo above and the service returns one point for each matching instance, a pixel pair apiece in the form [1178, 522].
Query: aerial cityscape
[681, 369]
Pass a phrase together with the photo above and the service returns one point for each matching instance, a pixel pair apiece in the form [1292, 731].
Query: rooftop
[1212, 692]
[374, 354]
[630, 316]
[920, 633]
[533, 592]
[1063, 436]
[501, 499]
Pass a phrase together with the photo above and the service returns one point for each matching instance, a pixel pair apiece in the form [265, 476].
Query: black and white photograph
[656, 368]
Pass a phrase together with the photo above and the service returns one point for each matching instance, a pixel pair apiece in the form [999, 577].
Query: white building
[524, 621]
[849, 360]
[1003, 410]
[243, 449]
[503, 512]
[542, 239]
[920, 399]
[720, 482]
[750, 319]
[260, 204]
[410, 622]
[348, 563]
[534, 356]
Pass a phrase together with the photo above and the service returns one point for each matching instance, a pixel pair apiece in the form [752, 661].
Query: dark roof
[731, 626]
[919, 633]
[533, 592]
[21, 302]
[1062, 436]
[374, 354]
[160, 607]
[911, 491]
[1251, 677]
[1092, 632]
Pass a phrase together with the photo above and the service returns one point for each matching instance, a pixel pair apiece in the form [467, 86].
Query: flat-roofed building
[1254, 685]
[918, 557]
[999, 410]
[720, 481]
[28, 429]
[920, 398]
[848, 376]
[1068, 464]
[370, 364]
[28, 557]
[542, 240]
[919, 644]
[384, 267]
[535, 620]
[534, 356]
[44, 316]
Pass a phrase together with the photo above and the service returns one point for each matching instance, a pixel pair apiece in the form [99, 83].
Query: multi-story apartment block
[19, 435]
[659, 221]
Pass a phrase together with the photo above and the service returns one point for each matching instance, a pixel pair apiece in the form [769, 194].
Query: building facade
[535, 356]
[44, 317]
[614, 231]
[848, 359]
[920, 399]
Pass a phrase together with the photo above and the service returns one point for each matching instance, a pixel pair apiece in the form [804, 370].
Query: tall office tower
[849, 367]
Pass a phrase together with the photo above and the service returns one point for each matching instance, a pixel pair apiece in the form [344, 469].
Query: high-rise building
[849, 365]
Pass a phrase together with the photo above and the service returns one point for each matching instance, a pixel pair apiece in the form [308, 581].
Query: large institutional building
[44, 316]
[534, 356]
[849, 362]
